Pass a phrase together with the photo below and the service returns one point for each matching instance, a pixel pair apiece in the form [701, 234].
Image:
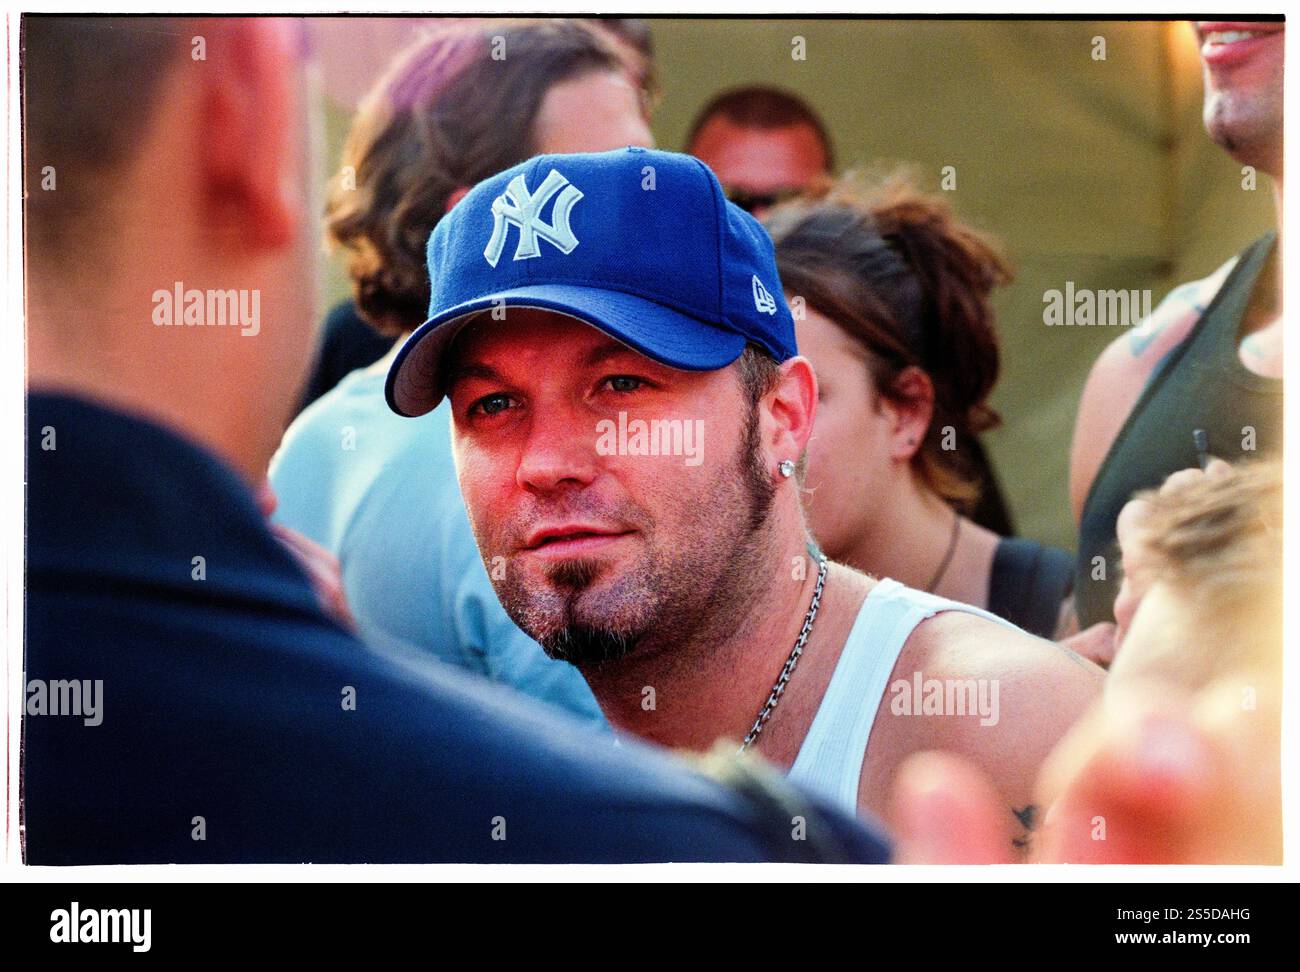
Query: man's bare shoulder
[994, 694]
[957, 644]
[1121, 372]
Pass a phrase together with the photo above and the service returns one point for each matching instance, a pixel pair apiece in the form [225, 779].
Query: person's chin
[588, 647]
[598, 626]
[594, 594]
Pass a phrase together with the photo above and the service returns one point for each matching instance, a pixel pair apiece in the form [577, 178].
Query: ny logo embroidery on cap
[763, 300]
[516, 205]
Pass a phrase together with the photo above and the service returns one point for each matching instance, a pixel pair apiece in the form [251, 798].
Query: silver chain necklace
[779, 688]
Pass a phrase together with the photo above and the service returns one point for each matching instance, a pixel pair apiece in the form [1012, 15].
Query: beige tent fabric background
[1091, 171]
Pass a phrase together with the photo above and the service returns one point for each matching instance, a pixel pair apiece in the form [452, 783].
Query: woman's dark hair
[899, 273]
[455, 108]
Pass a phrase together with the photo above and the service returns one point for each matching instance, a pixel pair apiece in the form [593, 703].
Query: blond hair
[1215, 542]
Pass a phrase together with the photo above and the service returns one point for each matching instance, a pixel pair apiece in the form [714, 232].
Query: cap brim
[414, 388]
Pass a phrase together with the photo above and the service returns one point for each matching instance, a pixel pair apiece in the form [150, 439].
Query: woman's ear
[910, 405]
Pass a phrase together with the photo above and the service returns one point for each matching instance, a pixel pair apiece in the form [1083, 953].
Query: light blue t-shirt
[379, 492]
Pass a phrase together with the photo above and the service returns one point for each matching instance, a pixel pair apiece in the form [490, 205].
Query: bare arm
[1045, 689]
[1120, 373]
[1033, 691]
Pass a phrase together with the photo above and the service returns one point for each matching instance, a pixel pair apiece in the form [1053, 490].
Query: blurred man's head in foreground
[170, 259]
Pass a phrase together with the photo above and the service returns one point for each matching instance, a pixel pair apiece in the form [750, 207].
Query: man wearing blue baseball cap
[188, 700]
[629, 411]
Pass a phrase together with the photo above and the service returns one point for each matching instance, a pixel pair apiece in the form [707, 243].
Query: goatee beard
[576, 642]
[587, 647]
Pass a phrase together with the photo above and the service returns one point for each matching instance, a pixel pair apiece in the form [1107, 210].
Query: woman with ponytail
[891, 301]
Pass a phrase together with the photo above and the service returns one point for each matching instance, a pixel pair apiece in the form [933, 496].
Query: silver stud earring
[787, 468]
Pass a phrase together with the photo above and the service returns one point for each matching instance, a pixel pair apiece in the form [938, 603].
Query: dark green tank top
[1201, 384]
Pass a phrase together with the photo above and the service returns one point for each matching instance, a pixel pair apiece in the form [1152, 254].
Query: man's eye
[624, 383]
[490, 405]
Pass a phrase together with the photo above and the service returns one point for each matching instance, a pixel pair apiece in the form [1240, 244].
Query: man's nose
[559, 453]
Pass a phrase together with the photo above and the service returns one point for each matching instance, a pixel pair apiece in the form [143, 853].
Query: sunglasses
[749, 201]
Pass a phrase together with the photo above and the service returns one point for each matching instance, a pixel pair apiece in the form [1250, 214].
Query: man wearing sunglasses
[764, 145]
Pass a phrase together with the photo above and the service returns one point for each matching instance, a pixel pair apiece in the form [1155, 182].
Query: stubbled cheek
[479, 480]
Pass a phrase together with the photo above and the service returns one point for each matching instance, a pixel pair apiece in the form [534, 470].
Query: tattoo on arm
[1028, 819]
[1180, 301]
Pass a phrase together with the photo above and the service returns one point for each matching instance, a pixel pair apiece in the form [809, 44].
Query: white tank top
[830, 759]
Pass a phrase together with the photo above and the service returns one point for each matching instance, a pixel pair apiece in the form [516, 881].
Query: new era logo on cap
[763, 300]
[638, 243]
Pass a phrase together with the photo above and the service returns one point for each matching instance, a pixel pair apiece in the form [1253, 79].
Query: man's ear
[792, 408]
[247, 147]
[910, 407]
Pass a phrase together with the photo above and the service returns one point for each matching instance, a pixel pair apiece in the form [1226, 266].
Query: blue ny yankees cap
[638, 243]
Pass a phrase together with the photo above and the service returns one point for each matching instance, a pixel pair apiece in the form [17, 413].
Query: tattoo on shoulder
[1179, 302]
